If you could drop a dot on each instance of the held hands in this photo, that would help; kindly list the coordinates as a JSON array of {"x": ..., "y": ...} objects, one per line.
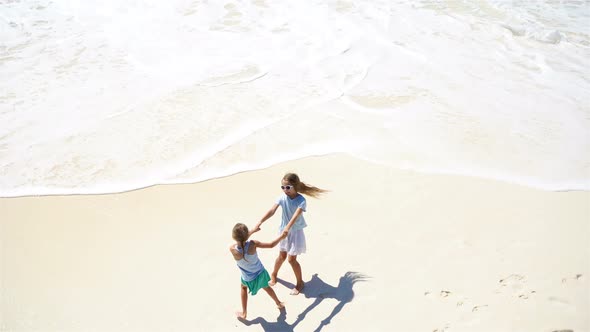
[
  {"x": 280, "y": 238},
  {"x": 253, "y": 230},
  {"x": 285, "y": 233}
]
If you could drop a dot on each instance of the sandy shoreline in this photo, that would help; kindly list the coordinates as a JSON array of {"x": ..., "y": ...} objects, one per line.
[{"x": 388, "y": 250}]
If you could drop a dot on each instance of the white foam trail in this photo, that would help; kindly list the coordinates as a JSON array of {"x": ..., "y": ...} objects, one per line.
[{"x": 113, "y": 96}]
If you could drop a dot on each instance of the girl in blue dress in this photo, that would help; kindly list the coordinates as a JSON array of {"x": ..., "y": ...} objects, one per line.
[{"x": 293, "y": 204}]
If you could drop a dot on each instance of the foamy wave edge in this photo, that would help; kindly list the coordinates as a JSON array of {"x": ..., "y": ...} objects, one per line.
[{"x": 117, "y": 189}]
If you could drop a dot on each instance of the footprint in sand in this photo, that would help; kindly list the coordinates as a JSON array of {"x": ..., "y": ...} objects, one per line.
[
  {"x": 441, "y": 294},
  {"x": 515, "y": 284},
  {"x": 461, "y": 301},
  {"x": 442, "y": 329},
  {"x": 444, "y": 293},
  {"x": 577, "y": 277},
  {"x": 478, "y": 307},
  {"x": 514, "y": 281}
]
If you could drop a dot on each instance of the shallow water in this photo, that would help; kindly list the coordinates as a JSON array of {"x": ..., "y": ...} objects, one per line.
[{"x": 101, "y": 97}]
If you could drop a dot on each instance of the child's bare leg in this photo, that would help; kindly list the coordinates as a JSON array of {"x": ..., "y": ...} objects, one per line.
[
  {"x": 278, "y": 262},
  {"x": 273, "y": 295},
  {"x": 244, "y": 296},
  {"x": 298, "y": 274}
]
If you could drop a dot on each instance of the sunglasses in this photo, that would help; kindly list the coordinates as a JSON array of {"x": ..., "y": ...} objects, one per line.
[{"x": 288, "y": 187}]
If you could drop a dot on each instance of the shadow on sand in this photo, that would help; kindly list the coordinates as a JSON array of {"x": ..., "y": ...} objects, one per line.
[{"x": 317, "y": 289}]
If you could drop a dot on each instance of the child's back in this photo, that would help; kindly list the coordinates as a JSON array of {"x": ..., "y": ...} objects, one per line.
[
  {"x": 247, "y": 260},
  {"x": 254, "y": 275}
]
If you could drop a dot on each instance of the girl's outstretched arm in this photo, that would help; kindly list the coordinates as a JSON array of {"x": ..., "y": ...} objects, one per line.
[
  {"x": 296, "y": 215},
  {"x": 271, "y": 244},
  {"x": 267, "y": 215},
  {"x": 252, "y": 231}
]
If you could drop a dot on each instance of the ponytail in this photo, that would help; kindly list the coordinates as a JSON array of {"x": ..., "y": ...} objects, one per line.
[
  {"x": 303, "y": 187},
  {"x": 240, "y": 234}
]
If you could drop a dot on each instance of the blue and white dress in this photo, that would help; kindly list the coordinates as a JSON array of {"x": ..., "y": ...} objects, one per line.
[{"x": 294, "y": 244}]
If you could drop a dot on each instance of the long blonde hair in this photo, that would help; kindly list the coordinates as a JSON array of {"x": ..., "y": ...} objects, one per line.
[{"x": 302, "y": 187}]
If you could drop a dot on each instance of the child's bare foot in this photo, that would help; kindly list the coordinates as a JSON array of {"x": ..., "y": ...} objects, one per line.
[
  {"x": 297, "y": 289},
  {"x": 280, "y": 305},
  {"x": 241, "y": 315}
]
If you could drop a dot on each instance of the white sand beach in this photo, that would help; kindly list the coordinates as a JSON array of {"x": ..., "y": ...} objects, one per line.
[
  {"x": 453, "y": 138},
  {"x": 388, "y": 250}
]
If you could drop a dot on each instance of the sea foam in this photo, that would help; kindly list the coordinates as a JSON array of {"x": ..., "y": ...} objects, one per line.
[{"x": 109, "y": 96}]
